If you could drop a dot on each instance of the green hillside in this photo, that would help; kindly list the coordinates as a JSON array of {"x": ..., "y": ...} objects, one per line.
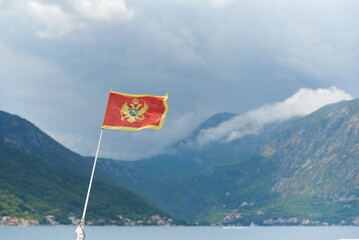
[{"x": 39, "y": 177}]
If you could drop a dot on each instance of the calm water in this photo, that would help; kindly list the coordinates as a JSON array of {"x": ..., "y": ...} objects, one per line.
[{"x": 180, "y": 233}]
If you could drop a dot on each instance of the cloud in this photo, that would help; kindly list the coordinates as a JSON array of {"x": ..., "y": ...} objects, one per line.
[
  {"x": 103, "y": 9},
  {"x": 207, "y": 54},
  {"x": 219, "y": 3},
  {"x": 303, "y": 102},
  {"x": 56, "y": 102},
  {"x": 55, "y": 20},
  {"x": 148, "y": 142},
  {"x": 39, "y": 90}
]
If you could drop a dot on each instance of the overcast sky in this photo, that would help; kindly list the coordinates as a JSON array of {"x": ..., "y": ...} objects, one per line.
[{"x": 59, "y": 60}]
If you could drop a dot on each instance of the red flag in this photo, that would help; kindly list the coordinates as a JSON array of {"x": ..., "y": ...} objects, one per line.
[{"x": 135, "y": 112}]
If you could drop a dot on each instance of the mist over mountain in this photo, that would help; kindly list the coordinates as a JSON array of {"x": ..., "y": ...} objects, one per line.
[{"x": 304, "y": 168}]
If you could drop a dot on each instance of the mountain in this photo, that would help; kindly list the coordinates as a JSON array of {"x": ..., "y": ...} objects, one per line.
[
  {"x": 301, "y": 171},
  {"x": 318, "y": 161},
  {"x": 304, "y": 170},
  {"x": 170, "y": 181},
  {"x": 319, "y": 153},
  {"x": 40, "y": 177}
]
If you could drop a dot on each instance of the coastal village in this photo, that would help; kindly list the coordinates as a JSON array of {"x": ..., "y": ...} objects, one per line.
[
  {"x": 13, "y": 221},
  {"x": 231, "y": 219},
  {"x": 157, "y": 220},
  {"x": 154, "y": 220}
]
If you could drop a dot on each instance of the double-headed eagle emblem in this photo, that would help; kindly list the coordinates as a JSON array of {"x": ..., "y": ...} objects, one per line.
[{"x": 134, "y": 112}]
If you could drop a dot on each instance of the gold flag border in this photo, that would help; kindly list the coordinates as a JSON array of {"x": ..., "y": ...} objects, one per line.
[{"x": 147, "y": 126}]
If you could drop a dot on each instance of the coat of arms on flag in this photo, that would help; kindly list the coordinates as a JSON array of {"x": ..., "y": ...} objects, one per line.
[{"x": 135, "y": 112}]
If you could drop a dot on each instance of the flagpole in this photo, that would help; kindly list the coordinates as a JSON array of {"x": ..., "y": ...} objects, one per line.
[{"x": 79, "y": 229}]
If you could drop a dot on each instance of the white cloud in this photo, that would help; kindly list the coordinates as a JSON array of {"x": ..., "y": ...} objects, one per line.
[
  {"x": 303, "y": 102},
  {"x": 55, "y": 20},
  {"x": 219, "y": 3},
  {"x": 103, "y": 9},
  {"x": 306, "y": 50}
]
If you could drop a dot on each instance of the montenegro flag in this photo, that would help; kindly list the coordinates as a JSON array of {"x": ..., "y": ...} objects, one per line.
[{"x": 135, "y": 112}]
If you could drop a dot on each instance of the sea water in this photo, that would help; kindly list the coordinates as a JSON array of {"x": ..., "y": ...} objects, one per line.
[{"x": 180, "y": 233}]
